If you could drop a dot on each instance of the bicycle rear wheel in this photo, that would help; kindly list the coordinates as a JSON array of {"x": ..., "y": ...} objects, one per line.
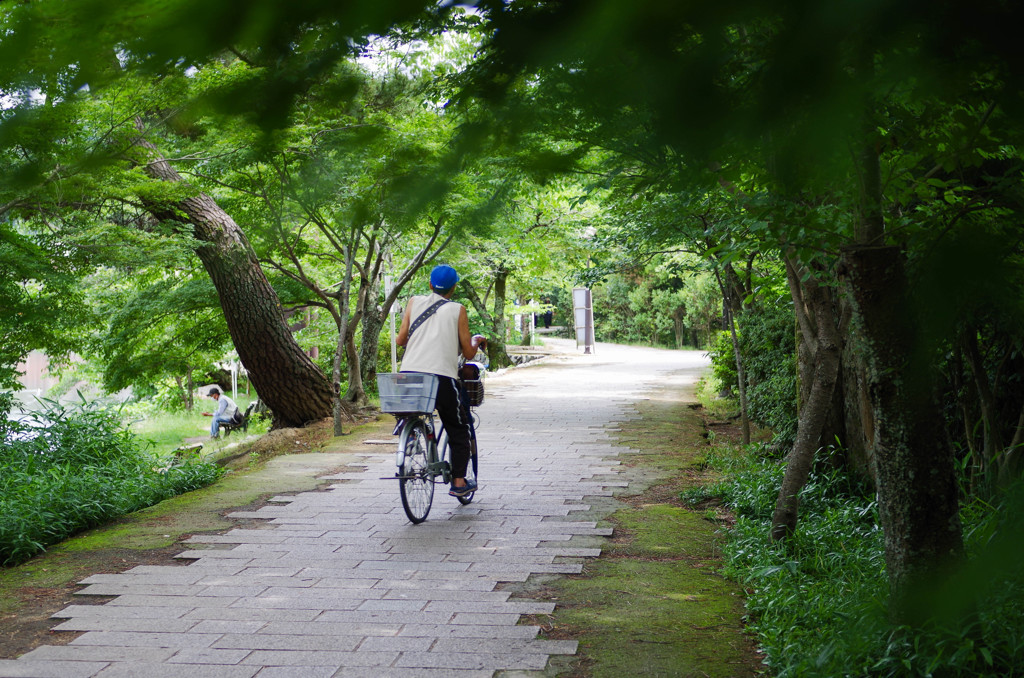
[
  {"x": 445, "y": 450},
  {"x": 416, "y": 483}
]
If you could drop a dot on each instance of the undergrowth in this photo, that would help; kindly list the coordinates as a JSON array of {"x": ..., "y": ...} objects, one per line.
[
  {"x": 818, "y": 605},
  {"x": 76, "y": 467}
]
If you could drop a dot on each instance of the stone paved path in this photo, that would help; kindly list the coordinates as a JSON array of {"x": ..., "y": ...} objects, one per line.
[{"x": 338, "y": 583}]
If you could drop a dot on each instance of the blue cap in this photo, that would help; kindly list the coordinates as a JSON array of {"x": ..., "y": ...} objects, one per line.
[{"x": 443, "y": 277}]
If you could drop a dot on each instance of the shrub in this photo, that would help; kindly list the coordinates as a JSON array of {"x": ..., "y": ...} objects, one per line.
[
  {"x": 818, "y": 604},
  {"x": 768, "y": 345},
  {"x": 723, "y": 361},
  {"x": 74, "y": 469}
]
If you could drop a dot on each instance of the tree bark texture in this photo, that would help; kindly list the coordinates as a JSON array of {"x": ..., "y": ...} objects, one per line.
[
  {"x": 858, "y": 436},
  {"x": 285, "y": 378},
  {"x": 917, "y": 490},
  {"x": 524, "y": 325},
  {"x": 849, "y": 424},
  {"x": 341, "y": 319},
  {"x": 825, "y": 348},
  {"x": 498, "y": 316},
  {"x": 372, "y": 323},
  {"x": 355, "y": 393}
]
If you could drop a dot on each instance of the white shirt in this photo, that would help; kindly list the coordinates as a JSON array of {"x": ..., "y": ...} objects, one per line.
[
  {"x": 225, "y": 406},
  {"x": 434, "y": 347}
]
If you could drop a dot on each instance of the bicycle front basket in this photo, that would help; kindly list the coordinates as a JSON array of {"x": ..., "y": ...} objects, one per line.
[{"x": 407, "y": 392}]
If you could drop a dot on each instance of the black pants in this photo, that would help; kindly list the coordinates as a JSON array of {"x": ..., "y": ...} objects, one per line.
[{"x": 455, "y": 417}]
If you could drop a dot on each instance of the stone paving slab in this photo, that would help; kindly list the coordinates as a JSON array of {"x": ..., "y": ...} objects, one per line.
[
  {"x": 22, "y": 668},
  {"x": 338, "y": 583}
]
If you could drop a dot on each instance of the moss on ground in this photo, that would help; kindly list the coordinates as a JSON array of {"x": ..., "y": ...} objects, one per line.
[{"x": 654, "y": 604}]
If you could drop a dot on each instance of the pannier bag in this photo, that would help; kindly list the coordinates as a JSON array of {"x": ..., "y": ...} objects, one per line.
[{"x": 469, "y": 376}]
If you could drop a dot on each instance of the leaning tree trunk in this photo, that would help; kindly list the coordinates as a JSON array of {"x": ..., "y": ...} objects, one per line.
[
  {"x": 815, "y": 409},
  {"x": 917, "y": 489},
  {"x": 286, "y": 379}
]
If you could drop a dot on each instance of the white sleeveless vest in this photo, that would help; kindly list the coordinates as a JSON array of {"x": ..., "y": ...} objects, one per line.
[{"x": 434, "y": 346}]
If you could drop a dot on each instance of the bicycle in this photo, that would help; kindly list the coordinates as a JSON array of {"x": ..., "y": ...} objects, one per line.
[{"x": 422, "y": 454}]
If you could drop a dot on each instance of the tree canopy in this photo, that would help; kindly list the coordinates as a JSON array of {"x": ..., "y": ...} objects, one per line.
[{"x": 855, "y": 165}]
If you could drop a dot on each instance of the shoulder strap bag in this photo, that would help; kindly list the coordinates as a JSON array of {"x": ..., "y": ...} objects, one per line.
[{"x": 424, "y": 316}]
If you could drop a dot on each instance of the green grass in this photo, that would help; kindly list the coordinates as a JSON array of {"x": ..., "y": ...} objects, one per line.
[
  {"x": 166, "y": 431},
  {"x": 707, "y": 392}
]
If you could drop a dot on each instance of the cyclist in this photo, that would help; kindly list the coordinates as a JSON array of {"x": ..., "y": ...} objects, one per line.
[{"x": 434, "y": 331}]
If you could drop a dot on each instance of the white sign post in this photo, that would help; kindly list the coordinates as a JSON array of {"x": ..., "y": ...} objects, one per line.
[{"x": 583, "y": 312}]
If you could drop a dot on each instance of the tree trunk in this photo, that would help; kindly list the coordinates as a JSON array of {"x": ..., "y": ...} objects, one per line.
[
  {"x": 992, "y": 436},
  {"x": 524, "y": 326},
  {"x": 498, "y": 315},
  {"x": 917, "y": 490},
  {"x": 374, "y": 316},
  {"x": 183, "y": 393},
  {"x": 372, "y": 323},
  {"x": 814, "y": 411},
  {"x": 356, "y": 393},
  {"x": 336, "y": 408},
  {"x": 679, "y": 327},
  {"x": 497, "y": 355},
  {"x": 731, "y": 287},
  {"x": 741, "y": 377},
  {"x": 341, "y": 319},
  {"x": 1011, "y": 462},
  {"x": 284, "y": 377},
  {"x": 370, "y": 274},
  {"x": 859, "y": 420}
]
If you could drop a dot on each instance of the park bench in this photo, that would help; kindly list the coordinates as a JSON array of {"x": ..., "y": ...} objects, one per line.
[
  {"x": 181, "y": 455},
  {"x": 243, "y": 425}
]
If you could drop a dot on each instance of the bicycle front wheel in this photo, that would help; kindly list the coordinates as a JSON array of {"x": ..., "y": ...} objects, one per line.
[{"x": 416, "y": 483}]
